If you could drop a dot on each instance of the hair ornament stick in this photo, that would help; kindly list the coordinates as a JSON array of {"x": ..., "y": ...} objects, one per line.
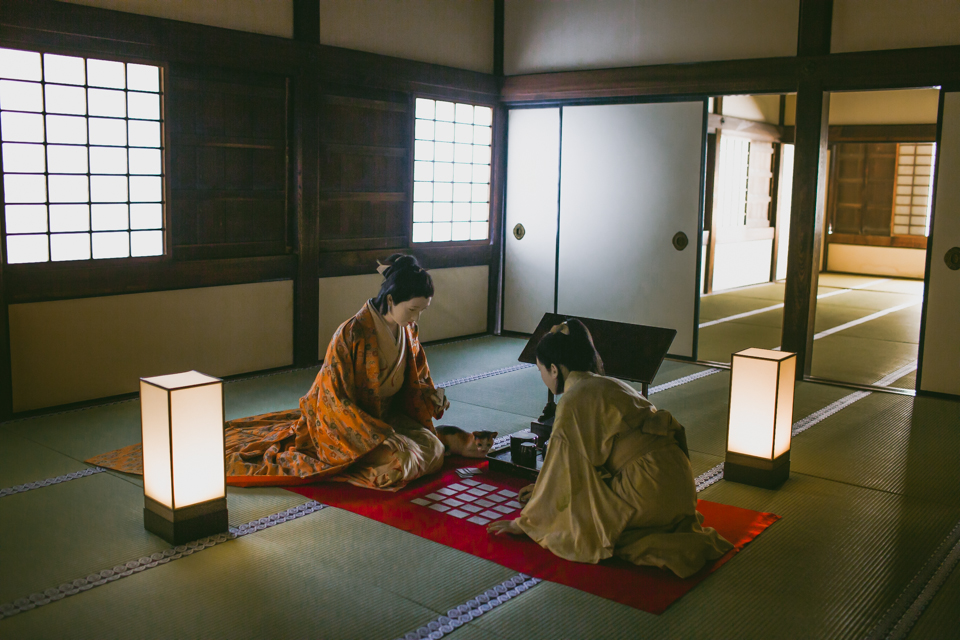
[
  {"x": 563, "y": 328},
  {"x": 382, "y": 267}
]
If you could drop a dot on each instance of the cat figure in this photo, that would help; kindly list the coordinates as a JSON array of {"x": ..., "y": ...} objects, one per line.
[{"x": 458, "y": 442}]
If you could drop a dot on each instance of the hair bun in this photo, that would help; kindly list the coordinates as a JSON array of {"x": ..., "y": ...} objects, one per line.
[{"x": 400, "y": 262}]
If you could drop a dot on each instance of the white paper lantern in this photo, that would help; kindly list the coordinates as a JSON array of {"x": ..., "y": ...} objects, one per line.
[
  {"x": 184, "y": 474},
  {"x": 761, "y": 417}
]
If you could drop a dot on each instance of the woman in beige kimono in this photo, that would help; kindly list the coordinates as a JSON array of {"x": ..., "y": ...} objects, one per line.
[{"x": 616, "y": 479}]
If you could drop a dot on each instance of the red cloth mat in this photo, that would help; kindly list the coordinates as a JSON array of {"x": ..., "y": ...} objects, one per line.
[{"x": 647, "y": 588}]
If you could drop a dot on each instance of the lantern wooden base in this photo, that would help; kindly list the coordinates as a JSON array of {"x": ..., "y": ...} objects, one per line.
[
  {"x": 187, "y": 524},
  {"x": 758, "y": 472}
]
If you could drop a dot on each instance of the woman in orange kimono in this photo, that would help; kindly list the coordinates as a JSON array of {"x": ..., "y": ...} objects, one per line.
[{"x": 367, "y": 419}]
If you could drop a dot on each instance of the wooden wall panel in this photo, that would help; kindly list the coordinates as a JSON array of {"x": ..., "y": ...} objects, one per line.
[
  {"x": 229, "y": 151},
  {"x": 365, "y": 169},
  {"x": 861, "y": 193}
]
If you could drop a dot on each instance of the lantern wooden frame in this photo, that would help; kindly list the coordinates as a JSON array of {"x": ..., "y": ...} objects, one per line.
[
  {"x": 205, "y": 511},
  {"x": 760, "y": 468}
]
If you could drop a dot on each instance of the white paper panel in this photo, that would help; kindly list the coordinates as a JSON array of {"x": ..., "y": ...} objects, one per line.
[
  {"x": 631, "y": 179},
  {"x": 941, "y": 341},
  {"x": 533, "y": 167},
  {"x": 155, "y": 425},
  {"x": 198, "y": 463}
]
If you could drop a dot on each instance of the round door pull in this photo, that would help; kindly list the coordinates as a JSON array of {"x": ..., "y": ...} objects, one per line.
[
  {"x": 519, "y": 232},
  {"x": 680, "y": 241},
  {"x": 953, "y": 259}
]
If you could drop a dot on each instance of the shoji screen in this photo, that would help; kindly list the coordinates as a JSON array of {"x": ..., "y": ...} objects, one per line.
[
  {"x": 533, "y": 168},
  {"x": 631, "y": 180},
  {"x": 940, "y": 366}
]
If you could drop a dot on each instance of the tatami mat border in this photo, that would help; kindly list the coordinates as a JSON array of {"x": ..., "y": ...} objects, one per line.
[
  {"x": 473, "y": 608},
  {"x": 481, "y": 376},
  {"x": 682, "y": 381},
  {"x": 29, "y": 486},
  {"x": 139, "y": 565},
  {"x": 918, "y": 594}
]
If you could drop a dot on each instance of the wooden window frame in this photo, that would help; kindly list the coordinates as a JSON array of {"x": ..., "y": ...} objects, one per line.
[
  {"x": 492, "y": 184},
  {"x": 903, "y": 238},
  {"x": 53, "y": 267}
]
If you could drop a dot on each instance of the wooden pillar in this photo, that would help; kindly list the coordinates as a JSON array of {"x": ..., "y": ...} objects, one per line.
[
  {"x": 306, "y": 166},
  {"x": 6, "y": 375},
  {"x": 806, "y": 222},
  {"x": 710, "y": 185},
  {"x": 497, "y": 183},
  {"x": 306, "y": 21},
  {"x": 809, "y": 178}
]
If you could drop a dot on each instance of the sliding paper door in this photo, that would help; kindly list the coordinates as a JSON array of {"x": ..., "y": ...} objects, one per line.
[
  {"x": 530, "y": 254},
  {"x": 631, "y": 182},
  {"x": 940, "y": 364}
]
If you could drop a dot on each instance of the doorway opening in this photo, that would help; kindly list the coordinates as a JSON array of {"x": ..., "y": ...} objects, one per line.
[
  {"x": 881, "y": 163},
  {"x": 746, "y": 224}
]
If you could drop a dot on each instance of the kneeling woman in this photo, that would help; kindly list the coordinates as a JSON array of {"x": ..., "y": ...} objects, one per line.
[
  {"x": 616, "y": 479},
  {"x": 368, "y": 418}
]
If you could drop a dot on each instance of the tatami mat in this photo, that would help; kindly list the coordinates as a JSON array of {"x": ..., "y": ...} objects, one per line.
[
  {"x": 24, "y": 461},
  {"x": 285, "y": 582},
  {"x": 870, "y": 497},
  {"x": 451, "y": 360},
  {"x": 939, "y": 620},
  {"x": 858, "y": 360},
  {"x": 66, "y": 531}
]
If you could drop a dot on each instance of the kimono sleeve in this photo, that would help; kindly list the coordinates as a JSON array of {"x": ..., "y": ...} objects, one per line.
[
  {"x": 572, "y": 512},
  {"x": 341, "y": 429},
  {"x": 418, "y": 385}
]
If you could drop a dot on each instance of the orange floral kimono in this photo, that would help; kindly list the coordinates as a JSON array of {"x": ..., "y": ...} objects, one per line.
[{"x": 345, "y": 427}]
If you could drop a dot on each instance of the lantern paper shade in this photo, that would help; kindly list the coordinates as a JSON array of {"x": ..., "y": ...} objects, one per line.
[
  {"x": 761, "y": 417},
  {"x": 184, "y": 477}
]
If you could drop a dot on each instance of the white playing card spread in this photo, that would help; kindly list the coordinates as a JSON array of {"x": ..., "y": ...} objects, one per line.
[{"x": 468, "y": 499}]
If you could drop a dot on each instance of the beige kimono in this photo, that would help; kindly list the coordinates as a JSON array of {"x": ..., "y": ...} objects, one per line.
[
  {"x": 412, "y": 450},
  {"x": 617, "y": 481}
]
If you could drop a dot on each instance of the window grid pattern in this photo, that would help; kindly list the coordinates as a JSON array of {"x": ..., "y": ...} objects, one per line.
[
  {"x": 730, "y": 200},
  {"x": 82, "y": 157},
  {"x": 913, "y": 189},
  {"x": 451, "y": 171}
]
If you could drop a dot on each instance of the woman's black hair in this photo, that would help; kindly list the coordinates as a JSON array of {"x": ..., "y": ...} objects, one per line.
[
  {"x": 574, "y": 350},
  {"x": 404, "y": 279}
]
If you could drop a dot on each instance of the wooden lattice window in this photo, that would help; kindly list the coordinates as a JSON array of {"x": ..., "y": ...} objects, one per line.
[
  {"x": 451, "y": 171},
  {"x": 914, "y": 186},
  {"x": 82, "y": 157}
]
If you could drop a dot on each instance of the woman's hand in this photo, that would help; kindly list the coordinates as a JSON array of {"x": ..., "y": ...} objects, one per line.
[
  {"x": 525, "y": 493},
  {"x": 500, "y": 527}
]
